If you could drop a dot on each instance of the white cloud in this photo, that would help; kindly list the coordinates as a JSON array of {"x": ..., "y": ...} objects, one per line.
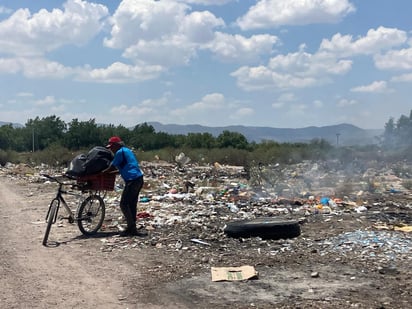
[
  {"x": 144, "y": 20},
  {"x": 242, "y": 113},
  {"x": 402, "y": 78},
  {"x": 48, "y": 100},
  {"x": 197, "y": 27},
  {"x": 318, "y": 104},
  {"x": 45, "y": 30},
  {"x": 214, "y": 104},
  {"x": 207, "y": 2},
  {"x": 375, "y": 87},
  {"x": 302, "y": 69},
  {"x": 305, "y": 64},
  {"x": 164, "y": 33},
  {"x": 154, "y": 36},
  {"x": 278, "y": 105},
  {"x": 213, "y": 101},
  {"x": 177, "y": 47},
  {"x": 120, "y": 73},
  {"x": 160, "y": 109},
  {"x": 283, "y": 99},
  {"x": 287, "y": 97},
  {"x": 375, "y": 41},
  {"x": 130, "y": 111},
  {"x": 160, "y": 102},
  {"x": 346, "y": 102},
  {"x": 275, "y": 13},
  {"x": 395, "y": 60},
  {"x": 117, "y": 72},
  {"x": 294, "y": 70},
  {"x": 34, "y": 67},
  {"x": 24, "y": 94},
  {"x": 299, "y": 108},
  {"x": 10, "y": 66},
  {"x": 166, "y": 53},
  {"x": 238, "y": 48}
]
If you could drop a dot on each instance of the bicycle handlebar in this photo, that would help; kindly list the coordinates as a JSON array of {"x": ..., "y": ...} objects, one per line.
[
  {"x": 61, "y": 183},
  {"x": 50, "y": 177},
  {"x": 54, "y": 178}
]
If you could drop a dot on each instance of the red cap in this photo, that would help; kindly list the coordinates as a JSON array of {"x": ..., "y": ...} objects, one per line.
[{"x": 113, "y": 140}]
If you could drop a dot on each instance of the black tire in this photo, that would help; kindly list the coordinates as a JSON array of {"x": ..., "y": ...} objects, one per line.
[
  {"x": 90, "y": 215},
  {"x": 50, "y": 218},
  {"x": 265, "y": 228}
]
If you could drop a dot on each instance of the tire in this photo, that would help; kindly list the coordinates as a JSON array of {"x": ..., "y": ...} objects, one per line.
[
  {"x": 265, "y": 228},
  {"x": 90, "y": 215},
  {"x": 51, "y": 218}
]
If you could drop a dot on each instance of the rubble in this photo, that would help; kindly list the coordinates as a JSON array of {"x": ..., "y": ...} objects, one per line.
[
  {"x": 359, "y": 216},
  {"x": 354, "y": 249},
  {"x": 219, "y": 194}
]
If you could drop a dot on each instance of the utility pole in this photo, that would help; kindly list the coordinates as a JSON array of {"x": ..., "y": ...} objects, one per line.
[
  {"x": 337, "y": 139},
  {"x": 32, "y": 139}
]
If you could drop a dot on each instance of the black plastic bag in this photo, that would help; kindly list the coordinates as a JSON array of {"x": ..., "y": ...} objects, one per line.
[
  {"x": 96, "y": 160},
  {"x": 76, "y": 166}
]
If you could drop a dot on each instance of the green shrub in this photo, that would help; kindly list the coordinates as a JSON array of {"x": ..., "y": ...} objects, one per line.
[
  {"x": 53, "y": 156},
  {"x": 8, "y": 156}
]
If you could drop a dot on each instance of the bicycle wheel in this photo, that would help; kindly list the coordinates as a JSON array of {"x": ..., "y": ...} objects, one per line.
[
  {"x": 51, "y": 218},
  {"x": 90, "y": 214}
]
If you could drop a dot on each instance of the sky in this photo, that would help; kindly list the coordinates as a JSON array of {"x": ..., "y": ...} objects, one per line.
[{"x": 266, "y": 63}]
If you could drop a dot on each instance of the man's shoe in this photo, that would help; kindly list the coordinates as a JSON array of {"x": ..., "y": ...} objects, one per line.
[
  {"x": 124, "y": 233},
  {"x": 141, "y": 233},
  {"x": 127, "y": 233}
]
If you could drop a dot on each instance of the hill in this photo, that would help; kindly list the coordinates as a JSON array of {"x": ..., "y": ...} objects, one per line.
[
  {"x": 342, "y": 134},
  {"x": 15, "y": 125}
]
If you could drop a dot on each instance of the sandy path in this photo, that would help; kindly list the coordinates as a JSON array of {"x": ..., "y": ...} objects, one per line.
[{"x": 66, "y": 276}]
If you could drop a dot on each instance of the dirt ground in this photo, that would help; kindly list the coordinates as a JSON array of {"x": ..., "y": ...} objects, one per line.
[{"x": 338, "y": 261}]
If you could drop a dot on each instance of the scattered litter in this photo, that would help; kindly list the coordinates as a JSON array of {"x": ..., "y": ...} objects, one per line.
[
  {"x": 233, "y": 273},
  {"x": 198, "y": 241},
  {"x": 181, "y": 200},
  {"x": 386, "y": 245}
]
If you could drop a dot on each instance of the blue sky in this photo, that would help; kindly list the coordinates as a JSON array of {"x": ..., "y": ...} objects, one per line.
[{"x": 276, "y": 63}]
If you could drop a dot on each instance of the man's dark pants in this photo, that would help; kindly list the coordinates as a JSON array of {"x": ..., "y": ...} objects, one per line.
[{"x": 128, "y": 201}]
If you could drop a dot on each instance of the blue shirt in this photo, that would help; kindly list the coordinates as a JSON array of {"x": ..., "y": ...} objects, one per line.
[{"x": 127, "y": 164}]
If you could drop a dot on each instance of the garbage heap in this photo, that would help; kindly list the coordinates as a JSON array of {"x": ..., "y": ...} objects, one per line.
[{"x": 188, "y": 201}]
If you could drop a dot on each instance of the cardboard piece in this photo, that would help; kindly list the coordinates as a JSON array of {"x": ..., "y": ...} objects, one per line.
[{"x": 233, "y": 273}]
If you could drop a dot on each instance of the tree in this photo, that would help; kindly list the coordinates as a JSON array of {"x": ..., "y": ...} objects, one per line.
[
  {"x": 404, "y": 129},
  {"x": 142, "y": 137},
  {"x": 143, "y": 128},
  {"x": 82, "y": 134},
  {"x": 46, "y": 131},
  {"x": 389, "y": 135},
  {"x": 232, "y": 139},
  {"x": 6, "y": 137},
  {"x": 200, "y": 140},
  {"x": 398, "y": 134}
]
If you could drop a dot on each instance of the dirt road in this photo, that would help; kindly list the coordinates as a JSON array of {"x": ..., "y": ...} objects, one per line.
[
  {"x": 79, "y": 272},
  {"x": 71, "y": 275}
]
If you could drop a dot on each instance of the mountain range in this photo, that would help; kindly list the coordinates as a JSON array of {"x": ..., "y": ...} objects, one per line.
[
  {"x": 14, "y": 125},
  {"x": 341, "y": 134}
]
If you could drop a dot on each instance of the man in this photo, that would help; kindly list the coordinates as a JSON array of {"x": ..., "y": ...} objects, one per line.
[{"x": 125, "y": 161}]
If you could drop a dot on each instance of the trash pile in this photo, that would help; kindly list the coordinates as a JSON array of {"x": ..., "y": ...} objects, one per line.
[
  {"x": 351, "y": 228},
  {"x": 371, "y": 245},
  {"x": 184, "y": 205}
]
